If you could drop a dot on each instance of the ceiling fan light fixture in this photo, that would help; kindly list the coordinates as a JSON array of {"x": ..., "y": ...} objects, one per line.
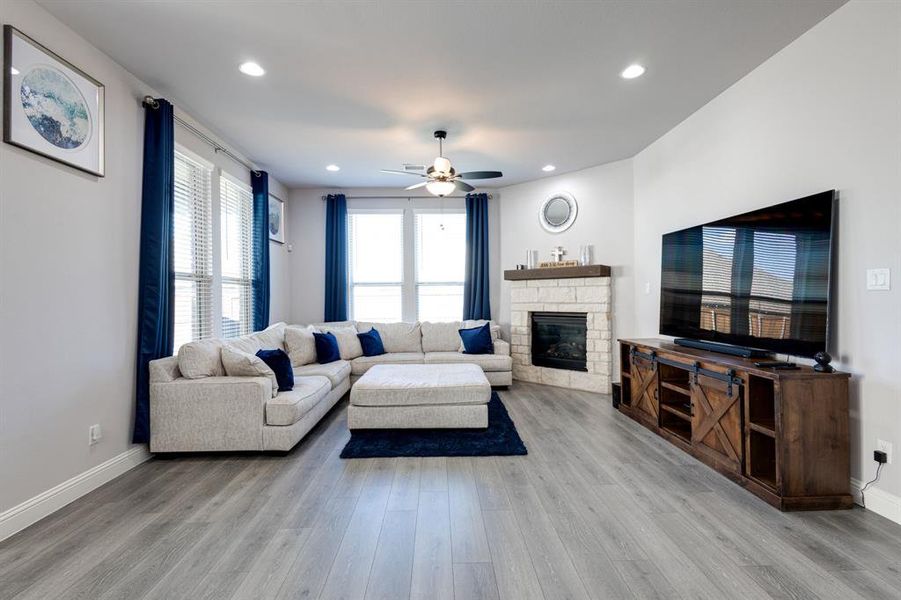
[
  {"x": 632, "y": 71},
  {"x": 442, "y": 165},
  {"x": 251, "y": 68},
  {"x": 440, "y": 188}
]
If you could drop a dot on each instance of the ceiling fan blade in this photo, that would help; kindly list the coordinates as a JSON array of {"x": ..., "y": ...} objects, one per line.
[
  {"x": 480, "y": 175},
  {"x": 417, "y": 185},
  {"x": 394, "y": 172},
  {"x": 463, "y": 186}
]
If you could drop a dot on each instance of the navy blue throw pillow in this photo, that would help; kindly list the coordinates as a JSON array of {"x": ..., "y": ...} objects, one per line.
[
  {"x": 326, "y": 348},
  {"x": 278, "y": 361},
  {"x": 477, "y": 340},
  {"x": 371, "y": 342}
]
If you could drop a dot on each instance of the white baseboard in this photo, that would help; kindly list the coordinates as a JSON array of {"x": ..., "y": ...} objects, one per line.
[
  {"x": 33, "y": 510},
  {"x": 879, "y": 501}
]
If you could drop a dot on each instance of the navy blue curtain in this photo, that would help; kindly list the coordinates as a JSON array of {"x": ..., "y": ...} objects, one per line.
[
  {"x": 476, "y": 304},
  {"x": 156, "y": 279},
  {"x": 336, "y": 258},
  {"x": 259, "y": 183}
]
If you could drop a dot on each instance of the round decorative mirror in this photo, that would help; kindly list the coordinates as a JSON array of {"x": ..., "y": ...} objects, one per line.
[{"x": 558, "y": 212}]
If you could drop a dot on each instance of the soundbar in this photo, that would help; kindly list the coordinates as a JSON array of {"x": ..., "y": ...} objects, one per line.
[{"x": 722, "y": 348}]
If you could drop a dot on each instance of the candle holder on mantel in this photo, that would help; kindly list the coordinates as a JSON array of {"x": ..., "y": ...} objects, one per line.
[{"x": 531, "y": 259}]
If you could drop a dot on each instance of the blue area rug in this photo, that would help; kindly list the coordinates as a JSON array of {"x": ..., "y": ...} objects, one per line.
[{"x": 500, "y": 438}]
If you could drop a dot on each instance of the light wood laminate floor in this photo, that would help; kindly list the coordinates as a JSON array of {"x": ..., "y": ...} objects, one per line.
[{"x": 600, "y": 508}]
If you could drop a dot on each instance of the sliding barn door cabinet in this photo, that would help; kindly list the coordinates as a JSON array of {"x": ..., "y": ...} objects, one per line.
[{"x": 781, "y": 434}]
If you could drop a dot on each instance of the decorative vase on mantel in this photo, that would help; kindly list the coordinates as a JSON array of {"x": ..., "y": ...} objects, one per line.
[{"x": 585, "y": 255}]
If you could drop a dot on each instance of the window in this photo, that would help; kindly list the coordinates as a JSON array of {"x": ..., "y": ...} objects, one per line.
[
  {"x": 406, "y": 265},
  {"x": 193, "y": 252},
  {"x": 440, "y": 265},
  {"x": 236, "y": 222},
  {"x": 376, "y": 265}
]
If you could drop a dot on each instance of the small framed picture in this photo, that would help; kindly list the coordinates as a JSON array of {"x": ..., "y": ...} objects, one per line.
[
  {"x": 51, "y": 107},
  {"x": 276, "y": 219}
]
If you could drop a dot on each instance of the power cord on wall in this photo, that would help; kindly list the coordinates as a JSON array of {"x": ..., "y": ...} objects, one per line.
[{"x": 881, "y": 458}]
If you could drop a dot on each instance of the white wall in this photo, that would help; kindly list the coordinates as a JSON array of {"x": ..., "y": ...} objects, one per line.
[
  {"x": 823, "y": 113},
  {"x": 604, "y": 196},
  {"x": 306, "y": 232},
  {"x": 68, "y": 286}
]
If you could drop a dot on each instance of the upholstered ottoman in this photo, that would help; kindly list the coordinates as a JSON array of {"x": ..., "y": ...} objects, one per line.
[{"x": 420, "y": 397}]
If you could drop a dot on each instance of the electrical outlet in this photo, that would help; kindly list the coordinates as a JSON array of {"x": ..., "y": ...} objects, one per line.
[
  {"x": 94, "y": 434},
  {"x": 886, "y": 447},
  {"x": 647, "y": 288}
]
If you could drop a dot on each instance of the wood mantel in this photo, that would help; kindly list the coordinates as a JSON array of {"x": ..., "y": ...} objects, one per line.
[{"x": 557, "y": 273}]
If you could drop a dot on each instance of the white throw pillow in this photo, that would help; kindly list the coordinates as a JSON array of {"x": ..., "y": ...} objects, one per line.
[
  {"x": 441, "y": 337},
  {"x": 349, "y": 346},
  {"x": 301, "y": 344},
  {"x": 269, "y": 339},
  {"x": 202, "y": 358},
  {"x": 397, "y": 337},
  {"x": 495, "y": 331},
  {"x": 244, "y": 364}
]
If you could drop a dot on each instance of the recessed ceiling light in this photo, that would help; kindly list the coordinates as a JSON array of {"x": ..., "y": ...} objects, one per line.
[
  {"x": 548, "y": 168},
  {"x": 632, "y": 71},
  {"x": 333, "y": 168},
  {"x": 13, "y": 71},
  {"x": 253, "y": 69}
]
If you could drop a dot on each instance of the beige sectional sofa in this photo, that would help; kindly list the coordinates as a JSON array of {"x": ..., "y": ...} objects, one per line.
[{"x": 200, "y": 403}]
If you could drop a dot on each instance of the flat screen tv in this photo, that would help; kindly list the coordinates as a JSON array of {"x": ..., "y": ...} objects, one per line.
[{"x": 758, "y": 280}]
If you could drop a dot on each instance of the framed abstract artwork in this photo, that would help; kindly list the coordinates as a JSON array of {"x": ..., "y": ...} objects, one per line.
[
  {"x": 276, "y": 219},
  {"x": 51, "y": 107}
]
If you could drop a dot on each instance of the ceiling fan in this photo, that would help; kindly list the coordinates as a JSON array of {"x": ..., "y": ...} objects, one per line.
[{"x": 440, "y": 178}]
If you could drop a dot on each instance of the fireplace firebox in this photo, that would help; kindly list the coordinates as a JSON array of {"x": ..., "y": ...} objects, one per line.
[{"x": 559, "y": 341}]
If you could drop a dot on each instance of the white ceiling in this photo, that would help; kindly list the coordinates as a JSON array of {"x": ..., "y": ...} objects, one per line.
[{"x": 363, "y": 84}]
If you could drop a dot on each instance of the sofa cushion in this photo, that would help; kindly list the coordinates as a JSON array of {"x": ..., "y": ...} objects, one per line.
[
  {"x": 244, "y": 364},
  {"x": 278, "y": 361},
  {"x": 333, "y": 325},
  {"x": 441, "y": 337},
  {"x": 271, "y": 337},
  {"x": 348, "y": 343},
  {"x": 300, "y": 344},
  {"x": 477, "y": 340},
  {"x": 421, "y": 385},
  {"x": 336, "y": 371},
  {"x": 371, "y": 343},
  {"x": 488, "y": 362},
  {"x": 288, "y": 408},
  {"x": 470, "y": 324},
  {"x": 326, "y": 348},
  {"x": 397, "y": 337},
  {"x": 360, "y": 365},
  {"x": 202, "y": 358}
]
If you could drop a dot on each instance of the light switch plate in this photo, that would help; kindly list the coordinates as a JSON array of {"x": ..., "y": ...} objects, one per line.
[{"x": 879, "y": 279}]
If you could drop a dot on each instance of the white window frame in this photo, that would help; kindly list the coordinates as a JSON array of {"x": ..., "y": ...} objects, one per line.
[
  {"x": 207, "y": 321},
  {"x": 350, "y": 275},
  {"x": 409, "y": 284},
  {"x": 415, "y": 254},
  {"x": 247, "y": 316}
]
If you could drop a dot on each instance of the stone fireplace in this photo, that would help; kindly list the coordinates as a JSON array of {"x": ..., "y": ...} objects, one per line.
[
  {"x": 559, "y": 340},
  {"x": 561, "y": 328}
]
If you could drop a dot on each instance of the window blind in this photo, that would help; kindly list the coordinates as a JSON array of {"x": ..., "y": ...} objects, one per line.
[
  {"x": 236, "y": 218},
  {"x": 376, "y": 265},
  {"x": 193, "y": 252},
  {"x": 440, "y": 265}
]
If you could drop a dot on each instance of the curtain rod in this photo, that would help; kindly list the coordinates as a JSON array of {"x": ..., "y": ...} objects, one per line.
[
  {"x": 400, "y": 197},
  {"x": 217, "y": 147}
]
